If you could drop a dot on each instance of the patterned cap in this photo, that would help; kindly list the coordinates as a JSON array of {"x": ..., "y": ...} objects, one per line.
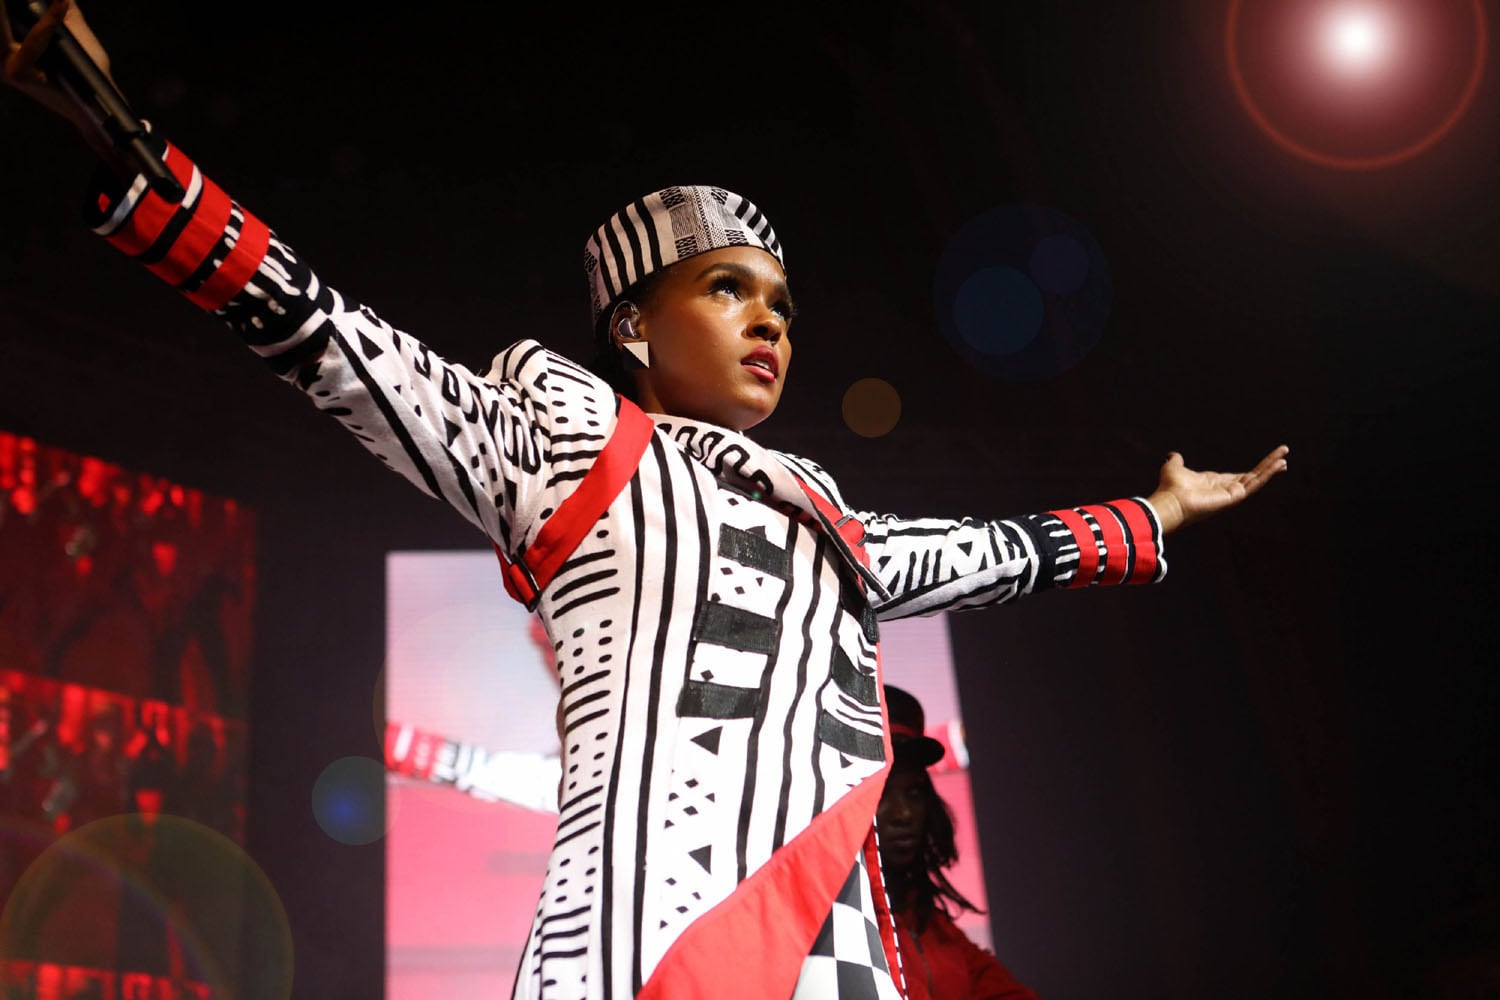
[{"x": 666, "y": 226}]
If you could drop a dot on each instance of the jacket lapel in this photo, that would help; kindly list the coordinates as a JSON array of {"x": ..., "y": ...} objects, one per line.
[{"x": 746, "y": 466}]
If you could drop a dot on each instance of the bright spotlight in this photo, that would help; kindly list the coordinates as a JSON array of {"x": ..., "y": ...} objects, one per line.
[
  {"x": 1356, "y": 84},
  {"x": 1357, "y": 40}
]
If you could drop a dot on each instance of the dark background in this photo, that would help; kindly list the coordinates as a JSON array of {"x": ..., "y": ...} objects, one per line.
[{"x": 1273, "y": 775}]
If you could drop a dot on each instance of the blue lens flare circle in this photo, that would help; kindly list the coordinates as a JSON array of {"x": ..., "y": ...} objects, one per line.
[
  {"x": 348, "y": 800},
  {"x": 1022, "y": 292}
]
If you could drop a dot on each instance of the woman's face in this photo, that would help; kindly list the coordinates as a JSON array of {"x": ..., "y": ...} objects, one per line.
[
  {"x": 716, "y": 325},
  {"x": 901, "y": 818}
]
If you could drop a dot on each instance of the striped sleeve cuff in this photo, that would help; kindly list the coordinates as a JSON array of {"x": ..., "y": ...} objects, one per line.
[
  {"x": 1111, "y": 543},
  {"x": 207, "y": 246}
]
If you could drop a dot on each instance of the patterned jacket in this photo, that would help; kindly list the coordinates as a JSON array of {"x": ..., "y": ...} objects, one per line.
[{"x": 715, "y": 635}]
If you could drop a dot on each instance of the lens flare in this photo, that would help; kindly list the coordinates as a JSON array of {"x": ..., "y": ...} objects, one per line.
[
  {"x": 350, "y": 801},
  {"x": 872, "y": 407},
  {"x": 1022, "y": 292},
  {"x": 1356, "y": 40},
  {"x": 129, "y": 891},
  {"x": 1356, "y": 85}
]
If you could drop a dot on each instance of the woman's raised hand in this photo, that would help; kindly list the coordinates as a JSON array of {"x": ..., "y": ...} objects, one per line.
[
  {"x": 1185, "y": 495},
  {"x": 22, "y": 72}
]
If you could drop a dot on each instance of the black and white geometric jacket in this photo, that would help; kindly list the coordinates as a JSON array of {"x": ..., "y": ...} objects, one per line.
[{"x": 715, "y": 633}]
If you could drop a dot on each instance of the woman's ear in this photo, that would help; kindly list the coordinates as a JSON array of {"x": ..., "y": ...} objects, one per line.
[
  {"x": 627, "y": 338},
  {"x": 623, "y": 320}
]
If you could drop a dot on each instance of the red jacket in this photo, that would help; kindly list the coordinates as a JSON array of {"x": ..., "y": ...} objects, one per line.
[{"x": 942, "y": 963}]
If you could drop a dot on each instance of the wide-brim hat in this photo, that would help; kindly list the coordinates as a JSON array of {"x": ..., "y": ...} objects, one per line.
[{"x": 909, "y": 736}]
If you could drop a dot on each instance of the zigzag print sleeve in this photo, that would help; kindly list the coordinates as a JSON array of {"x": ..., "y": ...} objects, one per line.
[
  {"x": 936, "y": 564},
  {"x": 488, "y": 448}
]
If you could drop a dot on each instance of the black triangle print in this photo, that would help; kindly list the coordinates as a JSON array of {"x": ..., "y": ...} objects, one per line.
[
  {"x": 452, "y": 429},
  {"x": 844, "y": 761},
  {"x": 702, "y": 856},
  {"x": 966, "y": 547},
  {"x": 880, "y": 563},
  {"x": 369, "y": 348},
  {"x": 710, "y": 740},
  {"x": 309, "y": 373}
]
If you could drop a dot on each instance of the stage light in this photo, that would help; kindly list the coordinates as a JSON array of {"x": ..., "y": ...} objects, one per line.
[
  {"x": 1357, "y": 41},
  {"x": 1355, "y": 84}
]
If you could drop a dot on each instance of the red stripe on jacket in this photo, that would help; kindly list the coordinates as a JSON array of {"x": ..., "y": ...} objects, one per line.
[
  {"x": 152, "y": 212},
  {"x": 1088, "y": 548},
  {"x": 237, "y": 267},
  {"x": 1116, "y": 551},
  {"x": 1143, "y": 535},
  {"x": 198, "y": 237},
  {"x": 205, "y": 229}
]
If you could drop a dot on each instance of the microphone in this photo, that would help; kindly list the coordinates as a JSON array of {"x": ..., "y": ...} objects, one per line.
[{"x": 65, "y": 61}]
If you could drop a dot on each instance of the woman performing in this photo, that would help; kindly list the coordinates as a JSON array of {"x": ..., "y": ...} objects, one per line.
[{"x": 712, "y": 604}]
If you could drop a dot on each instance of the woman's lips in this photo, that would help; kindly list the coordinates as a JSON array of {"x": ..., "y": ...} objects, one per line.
[{"x": 763, "y": 363}]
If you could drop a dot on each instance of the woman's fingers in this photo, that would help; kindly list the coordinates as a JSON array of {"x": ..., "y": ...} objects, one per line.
[
  {"x": 1269, "y": 466},
  {"x": 20, "y": 60},
  {"x": 20, "y": 68},
  {"x": 85, "y": 37}
]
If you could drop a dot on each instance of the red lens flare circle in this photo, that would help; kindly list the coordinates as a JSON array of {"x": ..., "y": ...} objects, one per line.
[{"x": 1375, "y": 161}]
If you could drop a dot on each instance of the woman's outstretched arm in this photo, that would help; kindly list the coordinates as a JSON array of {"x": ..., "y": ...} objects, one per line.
[{"x": 480, "y": 443}]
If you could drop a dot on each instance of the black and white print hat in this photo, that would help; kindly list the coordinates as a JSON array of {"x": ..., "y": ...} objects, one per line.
[{"x": 664, "y": 227}]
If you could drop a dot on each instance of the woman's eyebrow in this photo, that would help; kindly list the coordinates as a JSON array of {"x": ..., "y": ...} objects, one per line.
[{"x": 748, "y": 274}]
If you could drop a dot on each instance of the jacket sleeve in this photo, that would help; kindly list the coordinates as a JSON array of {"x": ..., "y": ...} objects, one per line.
[
  {"x": 931, "y": 565},
  {"x": 494, "y": 447}
]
